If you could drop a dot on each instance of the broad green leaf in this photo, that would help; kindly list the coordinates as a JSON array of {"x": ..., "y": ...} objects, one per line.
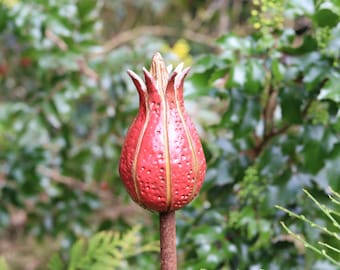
[
  {"x": 223, "y": 176},
  {"x": 291, "y": 109},
  {"x": 85, "y": 7},
  {"x": 298, "y": 8},
  {"x": 287, "y": 37},
  {"x": 326, "y": 18},
  {"x": 278, "y": 70},
  {"x": 255, "y": 76},
  {"x": 200, "y": 82},
  {"x": 231, "y": 42},
  {"x": 237, "y": 76},
  {"x": 204, "y": 63},
  {"x": 272, "y": 162},
  {"x": 313, "y": 155},
  {"x": 312, "y": 74},
  {"x": 331, "y": 90},
  {"x": 309, "y": 45}
]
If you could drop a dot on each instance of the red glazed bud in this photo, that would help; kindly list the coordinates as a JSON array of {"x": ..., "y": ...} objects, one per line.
[{"x": 162, "y": 163}]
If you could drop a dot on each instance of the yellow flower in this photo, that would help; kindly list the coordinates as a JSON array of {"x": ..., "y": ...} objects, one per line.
[
  {"x": 179, "y": 52},
  {"x": 9, "y": 3},
  {"x": 257, "y": 25},
  {"x": 181, "y": 48}
]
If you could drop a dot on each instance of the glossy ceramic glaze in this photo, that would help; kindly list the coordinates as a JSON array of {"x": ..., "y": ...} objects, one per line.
[{"x": 162, "y": 163}]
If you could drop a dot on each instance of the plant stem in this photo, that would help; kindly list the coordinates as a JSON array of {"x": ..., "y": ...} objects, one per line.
[{"x": 167, "y": 222}]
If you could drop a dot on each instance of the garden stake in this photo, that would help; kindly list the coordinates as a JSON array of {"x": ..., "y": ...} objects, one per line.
[
  {"x": 162, "y": 163},
  {"x": 167, "y": 222}
]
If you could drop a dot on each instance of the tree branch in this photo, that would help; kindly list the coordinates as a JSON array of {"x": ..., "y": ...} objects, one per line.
[
  {"x": 86, "y": 70},
  {"x": 74, "y": 183},
  {"x": 260, "y": 145},
  {"x": 132, "y": 34},
  {"x": 56, "y": 40}
]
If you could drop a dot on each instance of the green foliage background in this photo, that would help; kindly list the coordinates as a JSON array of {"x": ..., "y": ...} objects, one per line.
[{"x": 264, "y": 92}]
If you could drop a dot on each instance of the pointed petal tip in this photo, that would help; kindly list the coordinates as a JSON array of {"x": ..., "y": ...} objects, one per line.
[
  {"x": 131, "y": 73},
  {"x": 179, "y": 79},
  {"x": 157, "y": 57},
  {"x": 148, "y": 77},
  {"x": 179, "y": 68},
  {"x": 157, "y": 63},
  {"x": 139, "y": 83},
  {"x": 147, "y": 73},
  {"x": 186, "y": 70},
  {"x": 169, "y": 68}
]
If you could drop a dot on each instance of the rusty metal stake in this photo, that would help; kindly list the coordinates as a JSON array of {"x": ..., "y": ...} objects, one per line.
[{"x": 167, "y": 222}]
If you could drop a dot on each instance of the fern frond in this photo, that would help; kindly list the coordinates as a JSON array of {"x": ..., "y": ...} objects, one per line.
[
  {"x": 330, "y": 214},
  {"x": 55, "y": 263},
  {"x": 105, "y": 250},
  {"x": 3, "y": 264}
]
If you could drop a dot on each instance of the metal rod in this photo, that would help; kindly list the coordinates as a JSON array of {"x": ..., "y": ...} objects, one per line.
[{"x": 167, "y": 222}]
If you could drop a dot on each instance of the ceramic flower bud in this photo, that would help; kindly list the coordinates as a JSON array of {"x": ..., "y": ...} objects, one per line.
[{"x": 162, "y": 163}]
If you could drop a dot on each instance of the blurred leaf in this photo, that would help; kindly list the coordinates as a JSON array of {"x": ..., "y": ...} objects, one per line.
[
  {"x": 104, "y": 250},
  {"x": 309, "y": 45},
  {"x": 237, "y": 76},
  {"x": 272, "y": 162},
  {"x": 297, "y": 8},
  {"x": 76, "y": 254},
  {"x": 314, "y": 155},
  {"x": 278, "y": 70},
  {"x": 3, "y": 264},
  {"x": 223, "y": 176},
  {"x": 326, "y": 17},
  {"x": 231, "y": 43},
  {"x": 85, "y": 7},
  {"x": 55, "y": 263},
  {"x": 331, "y": 90},
  {"x": 200, "y": 82},
  {"x": 255, "y": 76},
  {"x": 291, "y": 109},
  {"x": 265, "y": 100}
]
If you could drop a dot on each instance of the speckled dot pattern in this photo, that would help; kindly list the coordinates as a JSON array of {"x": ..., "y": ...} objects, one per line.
[{"x": 162, "y": 164}]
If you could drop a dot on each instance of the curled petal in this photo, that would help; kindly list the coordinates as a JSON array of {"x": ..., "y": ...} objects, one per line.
[
  {"x": 179, "y": 80},
  {"x": 138, "y": 82},
  {"x": 169, "y": 68},
  {"x": 179, "y": 68},
  {"x": 150, "y": 82}
]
